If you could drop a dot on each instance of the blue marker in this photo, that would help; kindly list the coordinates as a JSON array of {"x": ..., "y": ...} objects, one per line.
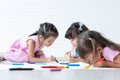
[
  {"x": 64, "y": 63},
  {"x": 41, "y": 63},
  {"x": 31, "y": 62},
  {"x": 17, "y": 63},
  {"x": 20, "y": 69},
  {"x": 38, "y": 63},
  {"x": 70, "y": 64}
]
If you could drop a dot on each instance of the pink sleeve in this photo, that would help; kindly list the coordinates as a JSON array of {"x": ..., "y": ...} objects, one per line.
[{"x": 109, "y": 54}]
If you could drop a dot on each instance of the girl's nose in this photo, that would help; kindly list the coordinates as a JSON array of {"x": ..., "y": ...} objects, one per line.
[
  {"x": 50, "y": 44},
  {"x": 72, "y": 42}
]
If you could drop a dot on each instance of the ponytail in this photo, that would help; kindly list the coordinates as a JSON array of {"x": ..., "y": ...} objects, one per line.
[
  {"x": 46, "y": 30},
  {"x": 35, "y": 33},
  {"x": 95, "y": 56}
]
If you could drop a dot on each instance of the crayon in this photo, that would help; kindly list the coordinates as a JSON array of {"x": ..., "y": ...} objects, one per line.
[
  {"x": 69, "y": 64},
  {"x": 56, "y": 60},
  {"x": 37, "y": 63},
  {"x": 88, "y": 66},
  {"x": 31, "y": 62},
  {"x": 63, "y": 62},
  {"x": 17, "y": 63},
  {"x": 41, "y": 63},
  {"x": 54, "y": 66},
  {"x": 100, "y": 60},
  {"x": 55, "y": 69},
  {"x": 20, "y": 69}
]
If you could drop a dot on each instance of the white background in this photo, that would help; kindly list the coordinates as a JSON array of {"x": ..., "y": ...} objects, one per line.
[{"x": 19, "y": 18}]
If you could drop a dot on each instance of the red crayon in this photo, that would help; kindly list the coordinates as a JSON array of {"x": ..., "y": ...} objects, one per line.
[
  {"x": 54, "y": 67},
  {"x": 49, "y": 67}
]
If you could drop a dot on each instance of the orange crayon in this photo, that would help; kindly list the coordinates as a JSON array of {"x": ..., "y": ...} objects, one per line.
[{"x": 100, "y": 60}]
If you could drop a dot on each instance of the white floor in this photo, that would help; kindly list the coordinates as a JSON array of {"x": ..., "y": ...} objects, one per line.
[{"x": 65, "y": 74}]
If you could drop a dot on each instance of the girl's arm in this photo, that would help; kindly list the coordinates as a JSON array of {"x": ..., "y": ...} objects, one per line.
[
  {"x": 111, "y": 64},
  {"x": 117, "y": 59},
  {"x": 73, "y": 60},
  {"x": 107, "y": 64},
  {"x": 114, "y": 64},
  {"x": 31, "y": 55}
]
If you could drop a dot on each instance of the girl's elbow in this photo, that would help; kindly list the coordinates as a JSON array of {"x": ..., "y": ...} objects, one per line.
[{"x": 31, "y": 59}]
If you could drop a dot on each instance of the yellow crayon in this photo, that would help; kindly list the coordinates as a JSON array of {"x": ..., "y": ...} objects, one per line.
[{"x": 88, "y": 66}]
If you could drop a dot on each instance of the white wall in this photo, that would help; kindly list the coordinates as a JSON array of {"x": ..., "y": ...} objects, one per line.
[{"x": 19, "y": 18}]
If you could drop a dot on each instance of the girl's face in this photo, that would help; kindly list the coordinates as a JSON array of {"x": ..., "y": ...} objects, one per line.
[
  {"x": 89, "y": 56},
  {"x": 49, "y": 41},
  {"x": 74, "y": 42}
]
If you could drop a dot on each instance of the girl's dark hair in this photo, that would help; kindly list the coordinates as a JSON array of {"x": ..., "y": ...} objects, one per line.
[
  {"x": 88, "y": 41},
  {"x": 75, "y": 29},
  {"x": 46, "y": 30}
]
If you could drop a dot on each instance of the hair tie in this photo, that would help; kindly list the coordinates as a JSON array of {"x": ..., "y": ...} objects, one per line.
[
  {"x": 89, "y": 38},
  {"x": 80, "y": 24},
  {"x": 44, "y": 29}
]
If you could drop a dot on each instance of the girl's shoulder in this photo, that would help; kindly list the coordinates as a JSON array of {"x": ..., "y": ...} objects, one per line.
[
  {"x": 107, "y": 49},
  {"x": 35, "y": 38}
]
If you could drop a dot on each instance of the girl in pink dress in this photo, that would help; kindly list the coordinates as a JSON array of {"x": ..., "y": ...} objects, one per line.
[
  {"x": 98, "y": 50},
  {"x": 29, "y": 49}
]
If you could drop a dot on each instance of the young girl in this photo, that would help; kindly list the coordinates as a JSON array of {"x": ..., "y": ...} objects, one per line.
[
  {"x": 92, "y": 46},
  {"x": 29, "y": 49},
  {"x": 72, "y": 33}
]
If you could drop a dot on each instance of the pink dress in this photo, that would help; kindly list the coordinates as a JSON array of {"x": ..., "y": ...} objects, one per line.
[
  {"x": 19, "y": 51},
  {"x": 110, "y": 54}
]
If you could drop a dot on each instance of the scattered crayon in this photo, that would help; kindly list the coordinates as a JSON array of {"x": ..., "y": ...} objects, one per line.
[
  {"x": 20, "y": 69},
  {"x": 54, "y": 66},
  {"x": 55, "y": 69},
  {"x": 88, "y": 66},
  {"x": 17, "y": 63},
  {"x": 70, "y": 64}
]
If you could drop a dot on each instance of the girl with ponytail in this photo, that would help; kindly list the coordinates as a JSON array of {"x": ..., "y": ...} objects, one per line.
[
  {"x": 29, "y": 49},
  {"x": 92, "y": 46},
  {"x": 72, "y": 33}
]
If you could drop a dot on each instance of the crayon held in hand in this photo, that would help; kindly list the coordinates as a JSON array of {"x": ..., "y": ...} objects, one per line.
[{"x": 100, "y": 60}]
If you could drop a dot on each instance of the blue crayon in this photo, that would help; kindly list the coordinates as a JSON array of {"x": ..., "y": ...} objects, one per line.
[
  {"x": 70, "y": 64},
  {"x": 38, "y": 63},
  {"x": 17, "y": 63},
  {"x": 63, "y": 63},
  {"x": 31, "y": 62},
  {"x": 41, "y": 63}
]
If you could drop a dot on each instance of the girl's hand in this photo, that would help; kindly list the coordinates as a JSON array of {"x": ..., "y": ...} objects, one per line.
[
  {"x": 72, "y": 60},
  {"x": 100, "y": 64},
  {"x": 68, "y": 55},
  {"x": 51, "y": 58}
]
